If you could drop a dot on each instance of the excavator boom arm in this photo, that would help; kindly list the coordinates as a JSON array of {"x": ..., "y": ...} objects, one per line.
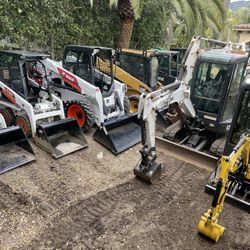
[
  {"x": 177, "y": 92},
  {"x": 229, "y": 164}
]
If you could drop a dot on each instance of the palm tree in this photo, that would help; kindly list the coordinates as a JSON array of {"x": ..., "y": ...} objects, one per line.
[
  {"x": 128, "y": 10},
  {"x": 196, "y": 16},
  {"x": 190, "y": 17}
]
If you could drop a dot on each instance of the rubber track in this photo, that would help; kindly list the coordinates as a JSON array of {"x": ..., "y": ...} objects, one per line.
[{"x": 218, "y": 145}]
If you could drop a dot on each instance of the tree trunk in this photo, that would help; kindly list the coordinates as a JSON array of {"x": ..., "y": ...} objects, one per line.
[
  {"x": 226, "y": 5},
  {"x": 125, "y": 32}
]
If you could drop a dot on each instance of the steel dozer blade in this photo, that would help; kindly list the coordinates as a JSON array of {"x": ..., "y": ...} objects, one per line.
[
  {"x": 15, "y": 149},
  {"x": 60, "y": 138},
  {"x": 119, "y": 134},
  {"x": 211, "y": 230}
]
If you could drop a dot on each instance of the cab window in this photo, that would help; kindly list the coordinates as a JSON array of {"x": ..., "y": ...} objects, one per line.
[{"x": 233, "y": 91}]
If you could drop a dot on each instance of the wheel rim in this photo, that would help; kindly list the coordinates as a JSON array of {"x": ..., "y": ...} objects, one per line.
[
  {"x": 133, "y": 106},
  {"x": 77, "y": 112},
  {"x": 21, "y": 121}
]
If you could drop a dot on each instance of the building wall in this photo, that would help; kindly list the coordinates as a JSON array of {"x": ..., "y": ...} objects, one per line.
[{"x": 244, "y": 36}]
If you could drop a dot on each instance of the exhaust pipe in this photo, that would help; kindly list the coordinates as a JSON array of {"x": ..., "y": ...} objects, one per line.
[
  {"x": 15, "y": 149},
  {"x": 119, "y": 134},
  {"x": 60, "y": 138}
]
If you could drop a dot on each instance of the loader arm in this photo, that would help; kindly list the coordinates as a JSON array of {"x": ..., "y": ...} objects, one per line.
[
  {"x": 177, "y": 92},
  {"x": 130, "y": 80},
  {"x": 79, "y": 85},
  {"x": 239, "y": 158},
  {"x": 125, "y": 77}
]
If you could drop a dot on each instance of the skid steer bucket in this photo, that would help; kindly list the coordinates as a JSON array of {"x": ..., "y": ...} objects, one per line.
[
  {"x": 60, "y": 138},
  {"x": 15, "y": 149},
  {"x": 119, "y": 134}
]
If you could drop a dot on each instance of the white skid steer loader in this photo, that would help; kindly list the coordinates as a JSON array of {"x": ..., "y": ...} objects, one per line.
[
  {"x": 93, "y": 97},
  {"x": 15, "y": 149},
  {"x": 34, "y": 107}
]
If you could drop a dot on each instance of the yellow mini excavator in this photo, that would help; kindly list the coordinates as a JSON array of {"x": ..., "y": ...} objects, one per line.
[{"x": 232, "y": 178}]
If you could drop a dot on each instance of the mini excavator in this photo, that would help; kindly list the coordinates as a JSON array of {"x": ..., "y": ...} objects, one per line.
[
  {"x": 232, "y": 176},
  {"x": 205, "y": 109}
]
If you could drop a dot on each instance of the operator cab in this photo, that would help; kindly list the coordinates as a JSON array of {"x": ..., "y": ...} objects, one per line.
[
  {"x": 168, "y": 66},
  {"x": 241, "y": 121},
  {"x": 88, "y": 63},
  {"x": 24, "y": 73},
  {"x": 135, "y": 63},
  {"x": 149, "y": 66},
  {"x": 215, "y": 85}
]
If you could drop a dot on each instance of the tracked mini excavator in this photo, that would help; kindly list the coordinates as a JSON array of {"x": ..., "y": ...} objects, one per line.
[
  {"x": 231, "y": 179},
  {"x": 33, "y": 106},
  {"x": 15, "y": 149},
  {"x": 93, "y": 97},
  {"x": 203, "y": 108},
  {"x": 215, "y": 75}
]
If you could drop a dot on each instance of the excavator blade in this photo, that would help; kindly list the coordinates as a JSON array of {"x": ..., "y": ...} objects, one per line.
[
  {"x": 210, "y": 230},
  {"x": 60, "y": 138},
  {"x": 119, "y": 134},
  {"x": 184, "y": 153},
  {"x": 15, "y": 149}
]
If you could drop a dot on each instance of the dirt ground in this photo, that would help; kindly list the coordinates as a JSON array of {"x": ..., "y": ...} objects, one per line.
[{"x": 91, "y": 200}]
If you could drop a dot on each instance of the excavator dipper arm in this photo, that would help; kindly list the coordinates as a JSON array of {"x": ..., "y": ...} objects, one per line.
[
  {"x": 177, "y": 92},
  {"x": 229, "y": 164}
]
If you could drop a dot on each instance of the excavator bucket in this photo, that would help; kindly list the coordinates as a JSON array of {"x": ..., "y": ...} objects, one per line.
[
  {"x": 15, "y": 149},
  {"x": 60, "y": 138},
  {"x": 211, "y": 230},
  {"x": 119, "y": 134}
]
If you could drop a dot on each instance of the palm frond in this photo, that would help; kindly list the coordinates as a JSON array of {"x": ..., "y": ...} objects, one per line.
[
  {"x": 137, "y": 6},
  {"x": 113, "y": 3}
]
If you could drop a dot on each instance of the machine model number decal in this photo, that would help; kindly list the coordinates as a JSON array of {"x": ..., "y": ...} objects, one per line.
[
  {"x": 9, "y": 95},
  {"x": 69, "y": 79}
]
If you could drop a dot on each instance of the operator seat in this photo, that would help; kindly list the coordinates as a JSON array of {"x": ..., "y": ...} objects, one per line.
[{"x": 214, "y": 91}]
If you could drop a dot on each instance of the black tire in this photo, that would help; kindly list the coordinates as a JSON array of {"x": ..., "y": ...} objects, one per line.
[
  {"x": 24, "y": 122},
  {"x": 87, "y": 106},
  {"x": 8, "y": 116},
  {"x": 126, "y": 104},
  {"x": 133, "y": 99}
]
